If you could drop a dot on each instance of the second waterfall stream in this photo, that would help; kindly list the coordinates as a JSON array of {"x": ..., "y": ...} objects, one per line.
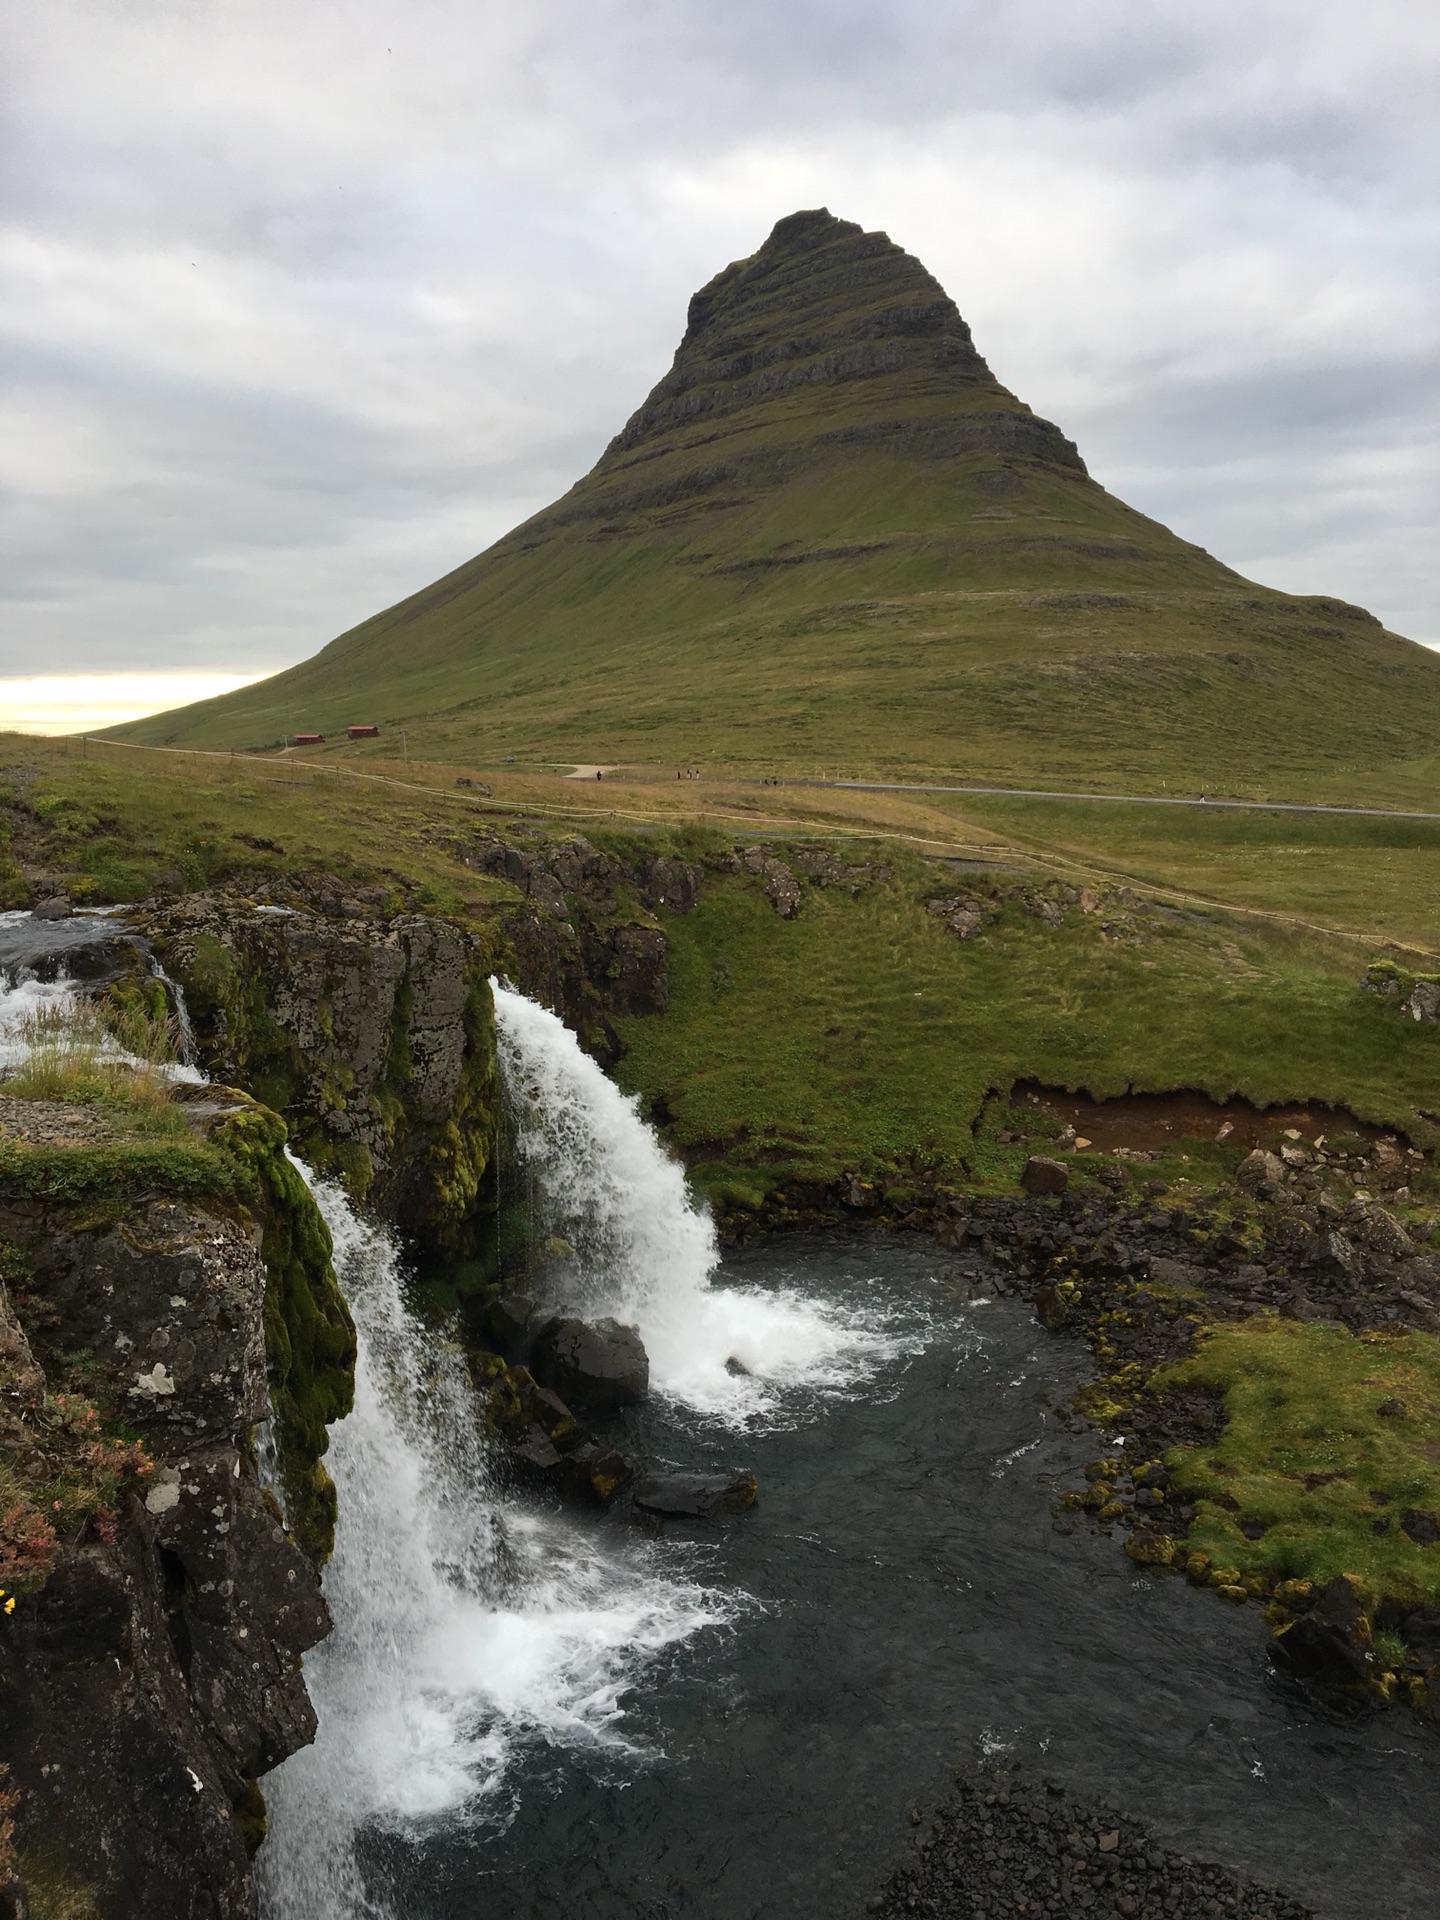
[
  {"x": 642, "y": 1252},
  {"x": 474, "y": 1631}
]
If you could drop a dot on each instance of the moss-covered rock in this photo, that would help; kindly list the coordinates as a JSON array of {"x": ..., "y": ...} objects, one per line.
[
  {"x": 373, "y": 1036},
  {"x": 309, "y": 1334}
]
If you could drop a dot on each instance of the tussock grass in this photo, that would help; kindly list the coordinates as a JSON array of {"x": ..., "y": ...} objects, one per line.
[
  {"x": 86, "y": 1055},
  {"x": 54, "y": 1891},
  {"x": 1304, "y": 1401}
]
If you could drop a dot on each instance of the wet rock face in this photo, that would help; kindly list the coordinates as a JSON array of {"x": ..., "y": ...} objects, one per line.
[
  {"x": 157, "y": 1670},
  {"x": 595, "y": 947},
  {"x": 92, "y": 948},
  {"x": 372, "y": 1036}
]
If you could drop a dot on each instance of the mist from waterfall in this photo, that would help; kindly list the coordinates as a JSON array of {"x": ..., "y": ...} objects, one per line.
[
  {"x": 470, "y": 1634},
  {"x": 629, "y": 1242}
]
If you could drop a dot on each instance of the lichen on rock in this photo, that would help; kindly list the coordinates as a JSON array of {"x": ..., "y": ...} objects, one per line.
[
  {"x": 371, "y": 1034},
  {"x": 151, "y": 1660},
  {"x": 309, "y": 1334}
]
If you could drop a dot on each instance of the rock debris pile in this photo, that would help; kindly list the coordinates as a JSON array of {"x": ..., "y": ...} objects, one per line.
[{"x": 1007, "y": 1845}]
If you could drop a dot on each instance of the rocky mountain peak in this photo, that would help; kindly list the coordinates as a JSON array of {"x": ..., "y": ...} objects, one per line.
[{"x": 821, "y": 304}]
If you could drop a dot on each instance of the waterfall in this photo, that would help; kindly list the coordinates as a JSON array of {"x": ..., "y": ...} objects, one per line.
[
  {"x": 469, "y": 1633},
  {"x": 189, "y": 1052},
  {"x": 21, "y": 998},
  {"x": 630, "y": 1242},
  {"x": 36, "y": 976}
]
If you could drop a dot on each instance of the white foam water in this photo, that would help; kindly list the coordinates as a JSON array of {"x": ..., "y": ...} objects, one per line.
[
  {"x": 18, "y": 1002},
  {"x": 632, "y": 1244},
  {"x": 28, "y": 996},
  {"x": 23, "y": 995},
  {"x": 468, "y": 1632}
]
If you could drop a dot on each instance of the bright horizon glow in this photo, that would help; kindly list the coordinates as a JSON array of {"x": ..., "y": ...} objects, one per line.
[{"x": 80, "y": 702}]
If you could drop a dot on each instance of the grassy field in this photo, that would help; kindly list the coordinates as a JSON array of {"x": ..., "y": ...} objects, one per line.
[
  {"x": 1357, "y": 874},
  {"x": 863, "y": 1034},
  {"x": 1327, "y": 1444},
  {"x": 832, "y": 541},
  {"x": 882, "y": 1033}
]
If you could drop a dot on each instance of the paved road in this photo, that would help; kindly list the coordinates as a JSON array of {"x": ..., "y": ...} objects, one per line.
[{"x": 1126, "y": 799}]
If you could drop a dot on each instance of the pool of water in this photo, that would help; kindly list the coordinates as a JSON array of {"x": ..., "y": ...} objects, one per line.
[{"x": 905, "y": 1598}]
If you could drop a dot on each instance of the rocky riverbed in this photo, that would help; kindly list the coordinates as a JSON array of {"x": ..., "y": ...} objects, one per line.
[{"x": 1010, "y": 1845}]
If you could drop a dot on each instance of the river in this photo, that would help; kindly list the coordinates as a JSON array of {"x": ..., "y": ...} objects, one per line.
[{"x": 555, "y": 1713}]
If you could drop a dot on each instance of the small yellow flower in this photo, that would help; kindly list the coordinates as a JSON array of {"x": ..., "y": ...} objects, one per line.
[{"x": 10, "y": 1604}]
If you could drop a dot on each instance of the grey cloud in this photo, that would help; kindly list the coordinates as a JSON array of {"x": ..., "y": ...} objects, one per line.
[{"x": 428, "y": 284}]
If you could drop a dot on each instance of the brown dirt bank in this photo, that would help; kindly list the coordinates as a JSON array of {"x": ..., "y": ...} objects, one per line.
[{"x": 1147, "y": 1122}]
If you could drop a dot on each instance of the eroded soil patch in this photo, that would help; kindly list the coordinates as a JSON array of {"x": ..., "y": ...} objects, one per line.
[{"x": 1147, "y": 1122}]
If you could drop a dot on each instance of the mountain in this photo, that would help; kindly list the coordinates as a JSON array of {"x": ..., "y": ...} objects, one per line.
[{"x": 830, "y": 539}]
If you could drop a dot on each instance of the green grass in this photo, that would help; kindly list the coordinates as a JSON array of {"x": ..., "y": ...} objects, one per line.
[
  {"x": 900, "y": 573},
  {"x": 882, "y": 1033},
  {"x": 1355, "y": 873},
  {"x": 1304, "y": 1400},
  {"x": 70, "y": 1057},
  {"x": 120, "y": 830},
  {"x": 863, "y": 1033}
]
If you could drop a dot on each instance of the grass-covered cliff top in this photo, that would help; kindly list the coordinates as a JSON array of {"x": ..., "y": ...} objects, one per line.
[
  {"x": 1233, "y": 969},
  {"x": 90, "y": 1133},
  {"x": 830, "y": 537},
  {"x": 1104, "y": 950},
  {"x": 83, "y": 1124}
]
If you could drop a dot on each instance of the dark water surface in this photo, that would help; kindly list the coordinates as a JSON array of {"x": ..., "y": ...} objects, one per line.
[{"x": 913, "y": 1604}]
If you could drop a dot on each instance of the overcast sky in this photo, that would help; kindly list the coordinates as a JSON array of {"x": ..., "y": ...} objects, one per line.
[{"x": 303, "y": 302}]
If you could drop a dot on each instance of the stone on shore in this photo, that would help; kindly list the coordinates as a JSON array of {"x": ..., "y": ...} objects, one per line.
[
  {"x": 1332, "y": 1643},
  {"x": 1044, "y": 1175}
]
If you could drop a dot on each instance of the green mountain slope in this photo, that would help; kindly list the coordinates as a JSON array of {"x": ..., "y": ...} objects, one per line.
[{"x": 830, "y": 539}]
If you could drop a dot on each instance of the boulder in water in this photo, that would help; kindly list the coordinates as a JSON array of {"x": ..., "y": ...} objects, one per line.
[
  {"x": 597, "y": 1364},
  {"x": 57, "y": 907},
  {"x": 537, "y": 1451},
  {"x": 597, "y": 1472},
  {"x": 1052, "y": 1307},
  {"x": 1332, "y": 1643},
  {"x": 696, "y": 1495},
  {"x": 516, "y": 1406}
]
